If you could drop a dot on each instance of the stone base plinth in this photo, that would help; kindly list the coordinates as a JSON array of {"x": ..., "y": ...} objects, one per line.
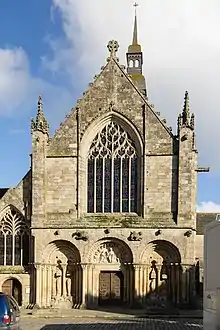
[{"x": 62, "y": 303}]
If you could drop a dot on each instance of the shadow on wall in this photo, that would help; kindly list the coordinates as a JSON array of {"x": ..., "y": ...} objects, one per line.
[
  {"x": 135, "y": 324},
  {"x": 174, "y": 288}
]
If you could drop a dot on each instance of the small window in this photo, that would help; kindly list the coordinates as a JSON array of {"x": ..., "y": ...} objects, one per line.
[
  {"x": 137, "y": 64},
  {"x": 131, "y": 64}
]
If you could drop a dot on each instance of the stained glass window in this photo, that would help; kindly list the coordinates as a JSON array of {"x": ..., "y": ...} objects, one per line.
[
  {"x": 112, "y": 172},
  {"x": 14, "y": 245}
]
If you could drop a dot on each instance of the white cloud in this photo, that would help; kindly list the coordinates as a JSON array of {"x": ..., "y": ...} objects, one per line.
[
  {"x": 207, "y": 207},
  {"x": 14, "y": 79},
  {"x": 181, "y": 51},
  {"x": 19, "y": 89}
]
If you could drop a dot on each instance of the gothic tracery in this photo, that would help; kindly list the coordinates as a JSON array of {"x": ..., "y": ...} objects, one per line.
[
  {"x": 112, "y": 171},
  {"x": 14, "y": 238}
]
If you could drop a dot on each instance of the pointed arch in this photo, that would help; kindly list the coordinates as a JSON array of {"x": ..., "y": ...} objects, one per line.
[
  {"x": 14, "y": 237},
  {"x": 98, "y": 124},
  {"x": 112, "y": 148}
]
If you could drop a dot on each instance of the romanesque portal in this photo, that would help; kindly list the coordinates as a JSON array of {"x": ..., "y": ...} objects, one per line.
[{"x": 110, "y": 276}]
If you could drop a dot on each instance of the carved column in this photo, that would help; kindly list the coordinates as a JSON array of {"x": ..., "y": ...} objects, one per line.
[
  {"x": 84, "y": 286},
  {"x": 49, "y": 285},
  {"x": 184, "y": 284},
  {"x": 136, "y": 284},
  {"x": 90, "y": 284},
  {"x": 141, "y": 283},
  {"x": 76, "y": 284},
  {"x": 127, "y": 284},
  {"x": 44, "y": 285},
  {"x": 53, "y": 271},
  {"x": 145, "y": 283},
  {"x": 64, "y": 281},
  {"x": 177, "y": 266},
  {"x": 80, "y": 285},
  {"x": 38, "y": 285}
]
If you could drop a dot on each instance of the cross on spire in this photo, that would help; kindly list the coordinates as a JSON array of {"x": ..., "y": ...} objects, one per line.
[{"x": 135, "y": 6}]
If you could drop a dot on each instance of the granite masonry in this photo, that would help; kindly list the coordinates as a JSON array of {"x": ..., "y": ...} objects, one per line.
[{"x": 107, "y": 212}]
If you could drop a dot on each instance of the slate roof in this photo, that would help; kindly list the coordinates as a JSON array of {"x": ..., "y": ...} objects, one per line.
[
  {"x": 202, "y": 219},
  {"x": 3, "y": 191}
]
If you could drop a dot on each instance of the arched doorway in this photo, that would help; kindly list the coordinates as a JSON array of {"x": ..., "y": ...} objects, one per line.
[
  {"x": 13, "y": 287},
  {"x": 62, "y": 272},
  {"x": 164, "y": 272},
  {"x": 112, "y": 262}
]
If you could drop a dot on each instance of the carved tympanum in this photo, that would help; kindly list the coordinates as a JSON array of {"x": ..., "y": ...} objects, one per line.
[{"x": 110, "y": 253}]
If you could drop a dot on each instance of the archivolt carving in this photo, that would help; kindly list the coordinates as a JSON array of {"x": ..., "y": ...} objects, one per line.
[
  {"x": 159, "y": 251},
  {"x": 61, "y": 250}
]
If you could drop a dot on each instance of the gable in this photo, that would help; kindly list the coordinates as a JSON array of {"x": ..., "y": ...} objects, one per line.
[
  {"x": 111, "y": 91},
  {"x": 19, "y": 197}
]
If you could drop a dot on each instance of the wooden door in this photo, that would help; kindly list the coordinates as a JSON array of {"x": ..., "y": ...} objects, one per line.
[
  {"x": 13, "y": 288},
  {"x": 110, "y": 287},
  {"x": 7, "y": 287}
]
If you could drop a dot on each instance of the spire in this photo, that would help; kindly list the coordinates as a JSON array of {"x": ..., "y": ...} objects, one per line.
[
  {"x": 135, "y": 59},
  {"x": 135, "y": 34},
  {"x": 40, "y": 124},
  {"x": 135, "y": 47}
]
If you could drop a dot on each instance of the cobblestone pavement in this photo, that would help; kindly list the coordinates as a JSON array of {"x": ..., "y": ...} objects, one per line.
[{"x": 108, "y": 324}]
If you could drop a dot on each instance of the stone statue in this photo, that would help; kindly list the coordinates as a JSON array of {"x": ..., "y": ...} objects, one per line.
[
  {"x": 68, "y": 280},
  {"x": 103, "y": 254},
  {"x": 111, "y": 255},
  {"x": 58, "y": 277}
]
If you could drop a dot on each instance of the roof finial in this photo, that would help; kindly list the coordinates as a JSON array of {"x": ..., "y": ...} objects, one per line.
[
  {"x": 135, "y": 37},
  {"x": 113, "y": 47}
]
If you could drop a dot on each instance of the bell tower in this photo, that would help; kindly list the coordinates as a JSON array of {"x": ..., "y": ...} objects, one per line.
[{"x": 135, "y": 59}]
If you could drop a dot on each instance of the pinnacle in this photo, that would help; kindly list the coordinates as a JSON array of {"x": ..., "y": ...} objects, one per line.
[
  {"x": 40, "y": 124},
  {"x": 185, "y": 119}
]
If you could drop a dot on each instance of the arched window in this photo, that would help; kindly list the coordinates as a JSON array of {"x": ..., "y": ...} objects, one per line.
[
  {"x": 14, "y": 238},
  {"x": 112, "y": 172},
  {"x": 131, "y": 64},
  {"x": 136, "y": 63}
]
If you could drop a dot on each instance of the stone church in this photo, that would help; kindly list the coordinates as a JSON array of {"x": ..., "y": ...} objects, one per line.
[{"x": 106, "y": 214}]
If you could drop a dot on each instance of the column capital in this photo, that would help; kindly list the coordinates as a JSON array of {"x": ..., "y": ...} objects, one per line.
[
  {"x": 84, "y": 266},
  {"x": 137, "y": 267}
]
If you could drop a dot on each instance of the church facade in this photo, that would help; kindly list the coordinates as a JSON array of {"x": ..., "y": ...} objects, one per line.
[{"x": 107, "y": 212}]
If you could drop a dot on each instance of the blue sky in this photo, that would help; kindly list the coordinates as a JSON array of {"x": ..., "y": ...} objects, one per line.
[{"x": 54, "y": 48}]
